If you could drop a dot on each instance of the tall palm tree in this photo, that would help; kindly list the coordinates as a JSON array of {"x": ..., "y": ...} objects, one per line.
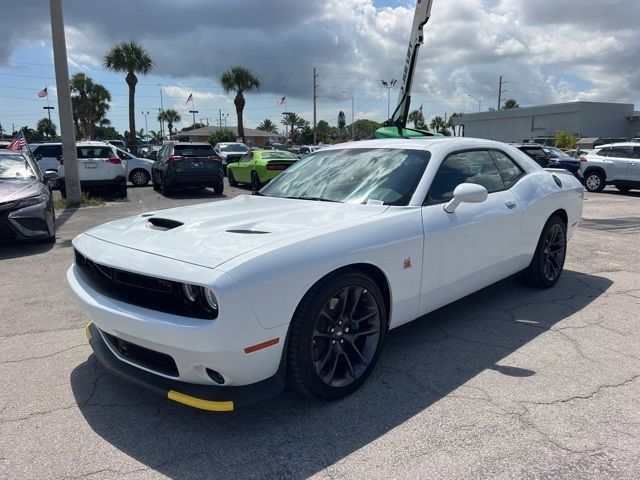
[
  {"x": 170, "y": 116},
  {"x": 46, "y": 128},
  {"x": 239, "y": 80},
  {"x": 131, "y": 58},
  {"x": 90, "y": 102},
  {"x": 292, "y": 120},
  {"x": 155, "y": 137},
  {"x": 268, "y": 126},
  {"x": 450, "y": 123}
]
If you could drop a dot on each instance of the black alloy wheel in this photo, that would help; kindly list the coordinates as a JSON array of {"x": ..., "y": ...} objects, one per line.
[
  {"x": 548, "y": 260},
  {"x": 336, "y": 335}
]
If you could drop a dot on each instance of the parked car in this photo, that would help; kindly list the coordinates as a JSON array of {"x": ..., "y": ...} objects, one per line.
[
  {"x": 100, "y": 168},
  {"x": 535, "y": 151},
  {"x": 219, "y": 305},
  {"x": 307, "y": 149},
  {"x": 560, "y": 159},
  {"x": 26, "y": 204},
  {"x": 187, "y": 164},
  {"x": 138, "y": 169},
  {"x": 258, "y": 167},
  {"x": 4, "y": 144},
  {"x": 615, "y": 164},
  {"x": 577, "y": 153},
  {"x": 229, "y": 152},
  {"x": 118, "y": 144},
  {"x": 47, "y": 155},
  {"x": 152, "y": 153}
]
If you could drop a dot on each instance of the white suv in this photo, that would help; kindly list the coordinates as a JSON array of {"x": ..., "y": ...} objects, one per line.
[
  {"x": 615, "y": 164},
  {"x": 100, "y": 167}
]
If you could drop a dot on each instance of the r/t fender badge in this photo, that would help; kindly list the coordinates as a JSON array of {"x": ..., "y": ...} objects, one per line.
[{"x": 407, "y": 263}]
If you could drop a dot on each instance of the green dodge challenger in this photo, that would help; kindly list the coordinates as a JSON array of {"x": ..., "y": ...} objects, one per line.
[{"x": 258, "y": 167}]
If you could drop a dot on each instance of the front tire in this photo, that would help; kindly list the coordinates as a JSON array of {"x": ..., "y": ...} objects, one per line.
[
  {"x": 166, "y": 190},
  {"x": 336, "y": 336},
  {"x": 548, "y": 260},
  {"x": 232, "y": 179},
  {"x": 594, "y": 181}
]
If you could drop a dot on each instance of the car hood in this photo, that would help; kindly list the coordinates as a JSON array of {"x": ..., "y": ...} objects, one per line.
[
  {"x": 11, "y": 189},
  {"x": 213, "y": 233}
]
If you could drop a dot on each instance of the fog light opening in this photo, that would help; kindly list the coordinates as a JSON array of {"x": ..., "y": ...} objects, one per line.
[{"x": 215, "y": 376}]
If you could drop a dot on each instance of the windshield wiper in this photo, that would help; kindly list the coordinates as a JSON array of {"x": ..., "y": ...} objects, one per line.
[{"x": 315, "y": 199}]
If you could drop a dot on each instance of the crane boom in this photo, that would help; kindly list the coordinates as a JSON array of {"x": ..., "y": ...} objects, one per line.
[{"x": 401, "y": 113}]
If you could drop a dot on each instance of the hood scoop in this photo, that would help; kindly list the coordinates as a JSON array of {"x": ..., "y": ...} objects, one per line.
[
  {"x": 163, "y": 224},
  {"x": 247, "y": 232}
]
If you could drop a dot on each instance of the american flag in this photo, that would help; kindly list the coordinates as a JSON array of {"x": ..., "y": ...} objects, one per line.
[
  {"x": 42, "y": 93},
  {"x": 17, "y": 143},
  {"x": 420, "y": 110},
  {"x": 282, "y": 101},
  {"x": 189, "y": 98}
]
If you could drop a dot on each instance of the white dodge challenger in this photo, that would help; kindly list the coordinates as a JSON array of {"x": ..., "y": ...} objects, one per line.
[{"x": 220, "y": 305}]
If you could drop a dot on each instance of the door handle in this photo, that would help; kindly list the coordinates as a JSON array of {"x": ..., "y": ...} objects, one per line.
[{"x": 511, "y": 204}]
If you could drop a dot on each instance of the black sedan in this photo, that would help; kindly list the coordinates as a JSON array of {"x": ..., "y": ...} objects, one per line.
[
  {"x": 26, "y": 204},
  {"x": 560, "y": 159}
]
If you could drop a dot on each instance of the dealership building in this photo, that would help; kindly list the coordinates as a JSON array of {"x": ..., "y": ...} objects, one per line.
[{"x": 604, "y": 121}]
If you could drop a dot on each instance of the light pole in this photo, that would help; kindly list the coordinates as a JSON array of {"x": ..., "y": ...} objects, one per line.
[
  {"x": 146, "y": 127},
  {"x": 286, "y": 135},
  {"x": 479, "y": 100},
  {"x": 161, "y": 112},
  {"x": 389, "y": 85}
]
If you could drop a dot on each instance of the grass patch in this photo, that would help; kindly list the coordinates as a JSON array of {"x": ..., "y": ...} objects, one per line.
[{"x": 85, "y": 201}]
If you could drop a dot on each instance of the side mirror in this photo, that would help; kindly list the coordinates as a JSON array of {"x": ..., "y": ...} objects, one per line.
[
  {"x": 468, "y": 193},
  {"x": 50, "y": 175}
]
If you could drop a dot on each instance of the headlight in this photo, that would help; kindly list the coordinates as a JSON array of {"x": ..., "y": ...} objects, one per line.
[
  {"x": 190, "y": 292},
  {"x": 28, "y": 202},
  {"x": 210, "y": 298}
]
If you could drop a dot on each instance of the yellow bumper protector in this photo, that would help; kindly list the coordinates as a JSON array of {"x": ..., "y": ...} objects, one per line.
[
  {"x": 87, "y": 331},
  {"x": 199, "y": 403}
]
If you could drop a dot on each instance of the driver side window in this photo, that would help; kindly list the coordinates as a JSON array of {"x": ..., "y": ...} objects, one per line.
[{"x": 464, "y": 167}]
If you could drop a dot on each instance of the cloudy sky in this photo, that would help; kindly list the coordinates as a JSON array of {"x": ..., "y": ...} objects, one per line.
[{"x": 547, "y": 50}]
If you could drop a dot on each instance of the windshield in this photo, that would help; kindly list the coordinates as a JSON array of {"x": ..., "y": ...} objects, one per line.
[
  {"x": 557, "y": 152},
  {"x": 271, "y": 155},
  {"x": 15, "y": 167},
  {"x": 378, "y": 176},
  {"x": 233, "y": 147}
]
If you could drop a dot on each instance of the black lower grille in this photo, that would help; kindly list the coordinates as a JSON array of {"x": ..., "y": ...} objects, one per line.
[
  {"x": 33, "y": 224},
  {"x": 156, "y": 361}
]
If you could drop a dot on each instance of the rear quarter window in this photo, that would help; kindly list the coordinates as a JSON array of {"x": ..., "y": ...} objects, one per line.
[{"x": 94, "y": 152}]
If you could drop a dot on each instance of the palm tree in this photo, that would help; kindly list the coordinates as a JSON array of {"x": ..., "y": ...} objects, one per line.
[
  {"x": 511, "y": 103},
  {"x": 131, "y": 58},
  {"x": 170, "y": 116},
  {"x": 46, "y": 128},
  {"x": 155, "y": 137},
  {"x": 294, "y": 121},
  {"x": 90, "y": 102},
  {"x": 450, "y": 122},
  {"x": 417, "y": 118},
  {"x": 268, "y": 126},
  {"x": 239, "y": 80},
  {"x": 438, "y": 125}
]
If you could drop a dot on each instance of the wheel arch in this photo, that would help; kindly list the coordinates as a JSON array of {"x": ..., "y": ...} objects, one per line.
[
  {"x": 376, "y": 274},
  {"x": 562, "y": 213},
  {"x": 593, "y": 169}
]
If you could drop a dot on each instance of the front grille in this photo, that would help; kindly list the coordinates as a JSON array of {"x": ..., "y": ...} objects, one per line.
[
  {"x": 33, "y": 224},
  {"x": 142, "y": 290},
  {"x": 156, "y": 361}
]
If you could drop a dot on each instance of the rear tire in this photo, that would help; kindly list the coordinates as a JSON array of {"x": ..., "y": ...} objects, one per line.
[
  {"x": 594, "y": 181},
  {"x": 232, "y": 180},
  {"x": 255, "y": 181},
  {"x": 139, "y": 178},
  {"x": 548, "y": 260},
  {"x": 156, "y": 185},
  {"x": 336, "y": 335},
  {"x": 166, "y": 190},
  {"x": 218, "y": 188}
]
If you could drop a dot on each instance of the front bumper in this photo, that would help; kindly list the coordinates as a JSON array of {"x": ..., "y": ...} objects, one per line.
[
  {"x": 26, "y": 223},
  {"x": 205, "y": 397}
]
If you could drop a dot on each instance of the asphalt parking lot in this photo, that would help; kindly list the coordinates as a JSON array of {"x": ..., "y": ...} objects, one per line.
[{"x": 508, "y": 383}]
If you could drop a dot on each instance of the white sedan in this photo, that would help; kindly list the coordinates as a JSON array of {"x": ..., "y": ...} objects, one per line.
[
  {"x": 138, "y": 169},
  {"x": 219, "y": 305}
]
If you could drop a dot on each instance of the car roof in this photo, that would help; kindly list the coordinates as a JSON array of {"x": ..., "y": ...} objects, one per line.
[
  {"x": 534, "y": 145},
  {"x": 418, "y": 143},
  {"x": 619, "y": 144},
  {"x": 191, "y": 143}
]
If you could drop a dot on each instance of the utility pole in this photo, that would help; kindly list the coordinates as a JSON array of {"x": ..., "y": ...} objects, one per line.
[
  {"x": 479, "y": 100},
  {"x": 161, "y": 112},
  {"x": 353, "y": 131},
  {"x": 71, "y": 173},
  {"x": 48, "y": 108},
  {"x": 315, "y": 96},
  {"x": 220, "y": 113},
  {"x": 193, "y": 111},
  {"x": 500, "y": 92}
]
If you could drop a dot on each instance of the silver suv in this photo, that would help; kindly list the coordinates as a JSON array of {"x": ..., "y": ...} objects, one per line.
[{"x": 615, "y": 164}]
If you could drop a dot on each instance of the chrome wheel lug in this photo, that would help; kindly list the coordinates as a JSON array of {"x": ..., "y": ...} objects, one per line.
[
  {"x": 341, "y": 341},
  {"x": 333, "y": 330},
  {"x": 333, "y": 341},
  {"x": 340, "y": 322},
  {"x": 346, "y": 330}
]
